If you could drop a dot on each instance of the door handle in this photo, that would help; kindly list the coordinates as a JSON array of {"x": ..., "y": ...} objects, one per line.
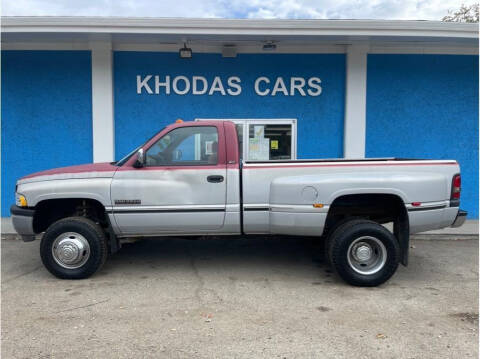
[{"x": 215, "y": 179}]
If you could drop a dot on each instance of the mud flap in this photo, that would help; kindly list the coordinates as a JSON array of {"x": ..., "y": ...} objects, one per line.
[
  {"x": 114, "y": 244},
  {"x": 401, "y": 230}
]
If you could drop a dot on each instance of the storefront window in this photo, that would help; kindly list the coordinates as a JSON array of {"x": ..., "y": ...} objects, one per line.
[
  {"x": 266, "y": 139},
  {"x": 270, "y": 142}
]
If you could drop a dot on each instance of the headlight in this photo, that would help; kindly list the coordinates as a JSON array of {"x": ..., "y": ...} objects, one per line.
[{"x": 21, "y": 200}]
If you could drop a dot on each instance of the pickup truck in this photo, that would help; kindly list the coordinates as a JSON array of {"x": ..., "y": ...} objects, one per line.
[{"x": 190, "y": 180}]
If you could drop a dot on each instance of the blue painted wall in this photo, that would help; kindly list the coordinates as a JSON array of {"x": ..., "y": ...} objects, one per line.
[
  {"x": 320, "y": 119},
  {"x": 46, "y": 114},
  {"x": 417, "y": 106},
  {"x": 426, "y": 106}
]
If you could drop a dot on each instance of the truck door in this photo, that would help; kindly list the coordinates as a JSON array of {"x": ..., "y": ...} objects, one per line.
[{"x": 181, "y": 187}]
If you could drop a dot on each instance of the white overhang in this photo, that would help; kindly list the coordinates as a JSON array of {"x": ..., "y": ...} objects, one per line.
[{"x": 170, "y": 30}]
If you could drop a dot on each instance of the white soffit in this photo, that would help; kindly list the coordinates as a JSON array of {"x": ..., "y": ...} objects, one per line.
[{"x": 207, "y": 35}]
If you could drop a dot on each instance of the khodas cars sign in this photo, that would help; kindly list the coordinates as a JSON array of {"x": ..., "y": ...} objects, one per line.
[{"x": 231, "y": 86}]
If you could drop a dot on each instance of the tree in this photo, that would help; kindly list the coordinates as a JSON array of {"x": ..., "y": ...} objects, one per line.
[{"x": 464, "y": 14}]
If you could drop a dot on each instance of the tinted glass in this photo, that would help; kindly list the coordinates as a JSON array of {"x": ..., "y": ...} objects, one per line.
[
  {"x": 185, "y": 146},
  {"x": 240, "y": 139}
]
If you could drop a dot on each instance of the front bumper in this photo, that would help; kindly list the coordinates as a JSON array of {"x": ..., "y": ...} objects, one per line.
[
  {"x": 460, "y": 219},
  {"x": 22, "y": 220}
]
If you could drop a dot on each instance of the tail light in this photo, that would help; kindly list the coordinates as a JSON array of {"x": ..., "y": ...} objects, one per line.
[{"x": 456, "y": 185}]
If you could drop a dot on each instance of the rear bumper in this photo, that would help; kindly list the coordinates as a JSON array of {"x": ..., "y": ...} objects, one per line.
[
  {"x": 460, "y": 219},
  {"x": 22, "y": 220}
]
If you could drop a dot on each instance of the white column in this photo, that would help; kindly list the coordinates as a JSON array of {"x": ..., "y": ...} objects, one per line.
[
  {"x": 102, "y": 100},
  {"x": 355, "y": 102}
]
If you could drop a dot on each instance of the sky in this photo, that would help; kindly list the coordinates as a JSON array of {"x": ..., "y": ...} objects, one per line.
[{"x": 280, "y": 9}]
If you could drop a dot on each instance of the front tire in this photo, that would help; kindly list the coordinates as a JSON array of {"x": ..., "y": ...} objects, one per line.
[
  {"x": 363, "y": 253},
  {"x": 73, "y": 248}
]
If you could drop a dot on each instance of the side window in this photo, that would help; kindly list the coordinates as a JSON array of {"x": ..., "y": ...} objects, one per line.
[
  {"x": 239, "y": 127},
  {"x": 197, "y": 145}
]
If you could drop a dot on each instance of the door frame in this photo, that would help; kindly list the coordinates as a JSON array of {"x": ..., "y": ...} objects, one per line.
[{"x": 128, "y": 225}]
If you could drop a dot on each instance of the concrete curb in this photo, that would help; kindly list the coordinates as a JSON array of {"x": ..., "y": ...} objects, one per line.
[
  {"x": 444, "y": 237},
  {"x": 470, "y": 227}
]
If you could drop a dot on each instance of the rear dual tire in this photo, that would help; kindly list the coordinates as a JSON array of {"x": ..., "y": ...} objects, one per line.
[{"x": 363, "y": 252}]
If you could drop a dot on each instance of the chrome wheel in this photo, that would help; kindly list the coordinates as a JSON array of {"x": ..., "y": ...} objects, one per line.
[
  {"x": 71, "y": 250},
  {"x": 367, "y": 255}
]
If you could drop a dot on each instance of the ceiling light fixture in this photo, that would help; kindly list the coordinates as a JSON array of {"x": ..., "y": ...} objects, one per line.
[
  {"x": 269, "y": 46},
  {"x": 229, "y": 50},
  {"x": 185, "y": 52}
]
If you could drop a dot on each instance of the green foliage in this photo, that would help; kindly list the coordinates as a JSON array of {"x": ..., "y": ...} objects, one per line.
[{"x": 464, "y": 14}]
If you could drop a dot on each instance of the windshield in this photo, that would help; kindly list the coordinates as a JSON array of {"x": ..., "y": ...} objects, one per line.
[{"x": 130, "y": 154}]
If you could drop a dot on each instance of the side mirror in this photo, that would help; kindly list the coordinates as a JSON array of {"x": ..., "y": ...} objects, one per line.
[{"x": 140, "y": 162}]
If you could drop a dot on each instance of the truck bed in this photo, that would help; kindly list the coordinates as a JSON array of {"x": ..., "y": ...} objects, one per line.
[{"x": 279, "y": 196}]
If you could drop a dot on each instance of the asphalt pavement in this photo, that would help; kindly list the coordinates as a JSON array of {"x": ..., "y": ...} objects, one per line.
[{"x": 240, "y": 298}]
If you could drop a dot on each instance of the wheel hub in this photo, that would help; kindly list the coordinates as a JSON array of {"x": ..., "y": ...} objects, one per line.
[
  {"x": 363, "y": 253},
  {"x": 367, "y": 255},
  {"x": 71, "y": 250}
]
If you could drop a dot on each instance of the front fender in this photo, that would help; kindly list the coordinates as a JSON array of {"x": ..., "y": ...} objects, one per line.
[{"x": 92, "y": 188}]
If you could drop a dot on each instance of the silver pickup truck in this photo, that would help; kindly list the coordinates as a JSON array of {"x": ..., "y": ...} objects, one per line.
[{"x": 190, "y": 180}]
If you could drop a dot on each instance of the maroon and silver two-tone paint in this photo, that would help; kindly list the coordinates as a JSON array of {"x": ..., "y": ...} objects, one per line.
[{"x": 221, "y": 196}]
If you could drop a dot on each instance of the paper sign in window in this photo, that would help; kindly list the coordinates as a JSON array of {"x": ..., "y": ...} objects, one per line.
[{"x": 259, "y": 149}]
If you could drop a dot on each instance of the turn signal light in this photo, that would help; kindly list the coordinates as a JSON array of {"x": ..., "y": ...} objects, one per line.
[
  {"x": 22, "y": 201},
  {"x": 317, "y": 205}
]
